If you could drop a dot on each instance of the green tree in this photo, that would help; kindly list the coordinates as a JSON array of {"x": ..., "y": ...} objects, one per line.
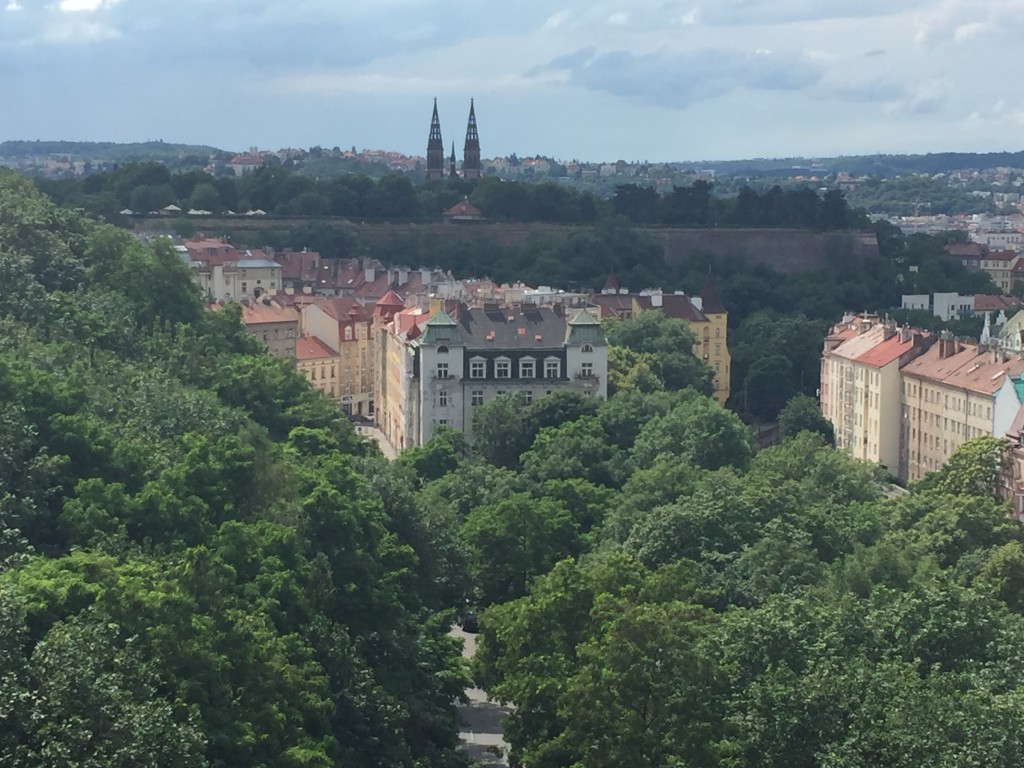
[
  {"x": 513, "y": 541},
  {"x": 667, "y": 346},
  {"x": 801, "y": 414},
  {"x": 698, "y": 430},
  {"x": 205, "y": 197}
]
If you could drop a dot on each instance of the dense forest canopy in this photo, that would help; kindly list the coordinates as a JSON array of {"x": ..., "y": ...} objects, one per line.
[{"x": 200, "y": 562}]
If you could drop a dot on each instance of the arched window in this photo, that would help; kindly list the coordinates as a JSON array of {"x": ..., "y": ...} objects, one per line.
[
  {"x": 586, "y": 348},
  {"x": 442, "y": 350}
]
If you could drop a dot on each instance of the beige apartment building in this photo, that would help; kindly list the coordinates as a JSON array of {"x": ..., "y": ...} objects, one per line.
[
  {"x": 319, "y": 364},
  {"x": 276, "y": 326},
  {"x": 952, "y": 393},
  {"x": 860, "y": 392},
  {"x": 345, "y": 326}
]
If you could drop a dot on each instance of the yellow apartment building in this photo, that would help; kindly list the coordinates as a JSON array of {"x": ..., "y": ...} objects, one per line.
[
  {"x": 345, "y": 326},
  {"x": 319, "y": 364},
  {"x": 861, "y": 387},
  {"x": 953, "y": 392}
]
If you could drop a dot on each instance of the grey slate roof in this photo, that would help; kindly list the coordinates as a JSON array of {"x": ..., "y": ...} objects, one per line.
[{"x": 512, "y": 328}]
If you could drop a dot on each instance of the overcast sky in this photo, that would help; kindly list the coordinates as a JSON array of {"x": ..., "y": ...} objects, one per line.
[{"x": 587, "y": 79}]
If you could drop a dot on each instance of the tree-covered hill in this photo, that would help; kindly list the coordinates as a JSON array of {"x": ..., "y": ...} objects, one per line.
[
  {"x": 200, "y": 563},
  {"x": 107, "y": 151}
]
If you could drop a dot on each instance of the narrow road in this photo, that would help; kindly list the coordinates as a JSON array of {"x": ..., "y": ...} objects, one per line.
[{"x": 481, "y": 732}]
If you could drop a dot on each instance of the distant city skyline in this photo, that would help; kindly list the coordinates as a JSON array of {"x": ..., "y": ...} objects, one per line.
[{"x": 661, "y": 80}]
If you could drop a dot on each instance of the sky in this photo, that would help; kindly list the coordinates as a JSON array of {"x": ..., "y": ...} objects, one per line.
[{"x": 654, "y": 80}]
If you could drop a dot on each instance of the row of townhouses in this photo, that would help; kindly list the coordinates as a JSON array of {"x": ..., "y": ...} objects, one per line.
[
  {"x": 907, "y": 399},
  {"x": 415, "y": 350}
]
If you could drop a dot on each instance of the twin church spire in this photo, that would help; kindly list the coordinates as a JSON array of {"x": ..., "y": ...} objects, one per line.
[{"x": 470, "y": 150}]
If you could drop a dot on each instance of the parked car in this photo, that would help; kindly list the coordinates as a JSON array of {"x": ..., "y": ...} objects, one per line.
[{"x": 468, "y": 622}]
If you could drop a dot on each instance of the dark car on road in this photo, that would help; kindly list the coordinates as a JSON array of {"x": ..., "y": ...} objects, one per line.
[{"x": 467, "y": 620}]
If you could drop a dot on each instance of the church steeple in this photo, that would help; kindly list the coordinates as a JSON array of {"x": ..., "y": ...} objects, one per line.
[
  {"x": 471, "y": 150},
  {"x": 452, "y": 172},
  {"x": 435, "y": 148}
]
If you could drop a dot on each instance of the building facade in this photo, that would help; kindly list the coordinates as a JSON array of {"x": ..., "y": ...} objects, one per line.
[
  {"x": 954, "y": 392},
  {"x": 860, "y": 387},
  {"x": 346, "y": 327},
  {"x": 319, "y": 364},
  {"x": 437, "y": 368},
  {"x": 277, "y": 327}
]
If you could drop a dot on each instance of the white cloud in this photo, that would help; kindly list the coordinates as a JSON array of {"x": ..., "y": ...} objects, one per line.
[
  {"x": 76, "y": 6},
  {"x": 687, "y": 19},
  {"x": 575, "y": 75},
  {"x": 967, "y": 31},
  {"x": 556, "y": 20}
]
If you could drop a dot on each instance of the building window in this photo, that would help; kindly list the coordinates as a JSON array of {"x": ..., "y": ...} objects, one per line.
[
  {"x": 586, "y": 348},
  {"x": 552, "y": 368},
  {"x": 587, "y": 370},
  {"x": 442, "y": 422},
  {"x": 442, "y": 370},
  {"x": 528, "y": 396},
  {"x": 477, "y": 368},
  {"x": 476, "y": 397},
  {"x": 442, "y": 399},
  {"x": 503, "y": 368},
  {"x": 442, "y": 350},
  {"x": 527, "y": 368},
  {"x": 348, "y": 333}
]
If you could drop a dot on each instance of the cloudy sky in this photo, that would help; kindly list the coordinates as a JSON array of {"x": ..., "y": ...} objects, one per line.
[{"x": 587, "y": 79}]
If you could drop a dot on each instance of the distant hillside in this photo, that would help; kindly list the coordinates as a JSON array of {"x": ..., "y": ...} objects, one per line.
[
  {"x": 862, "y": 165},
  {"x": 106, "y": 151}
]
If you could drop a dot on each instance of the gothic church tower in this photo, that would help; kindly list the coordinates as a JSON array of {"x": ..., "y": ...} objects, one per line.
[
  {"x": 471, "y": 150},
  {"x": 435, "y": 148}
]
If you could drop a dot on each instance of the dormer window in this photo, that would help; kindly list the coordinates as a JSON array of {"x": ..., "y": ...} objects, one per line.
[
  {"x": 552, "y": 368},
  {"x": 477, "y": 368},
  {"x": 503, "y": 368},
  {"x": 527, "y": 368}
]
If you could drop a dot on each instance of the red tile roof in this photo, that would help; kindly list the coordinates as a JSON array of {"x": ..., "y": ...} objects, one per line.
[
  {"x": 1001, "y": 255},
  {"x": 984, "y": 302},
  {"x": 966, "y": 249},
  {"x": 970, "y": 368},
  {"x": 391, "y": 299},
  {"x": 464, "y": 208},
  {"x": 312, "y": 348},
  {"x": 341, "y": 308},
  {"x": 886, "y": 352},
  {"x": 259, "y": 313}
]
